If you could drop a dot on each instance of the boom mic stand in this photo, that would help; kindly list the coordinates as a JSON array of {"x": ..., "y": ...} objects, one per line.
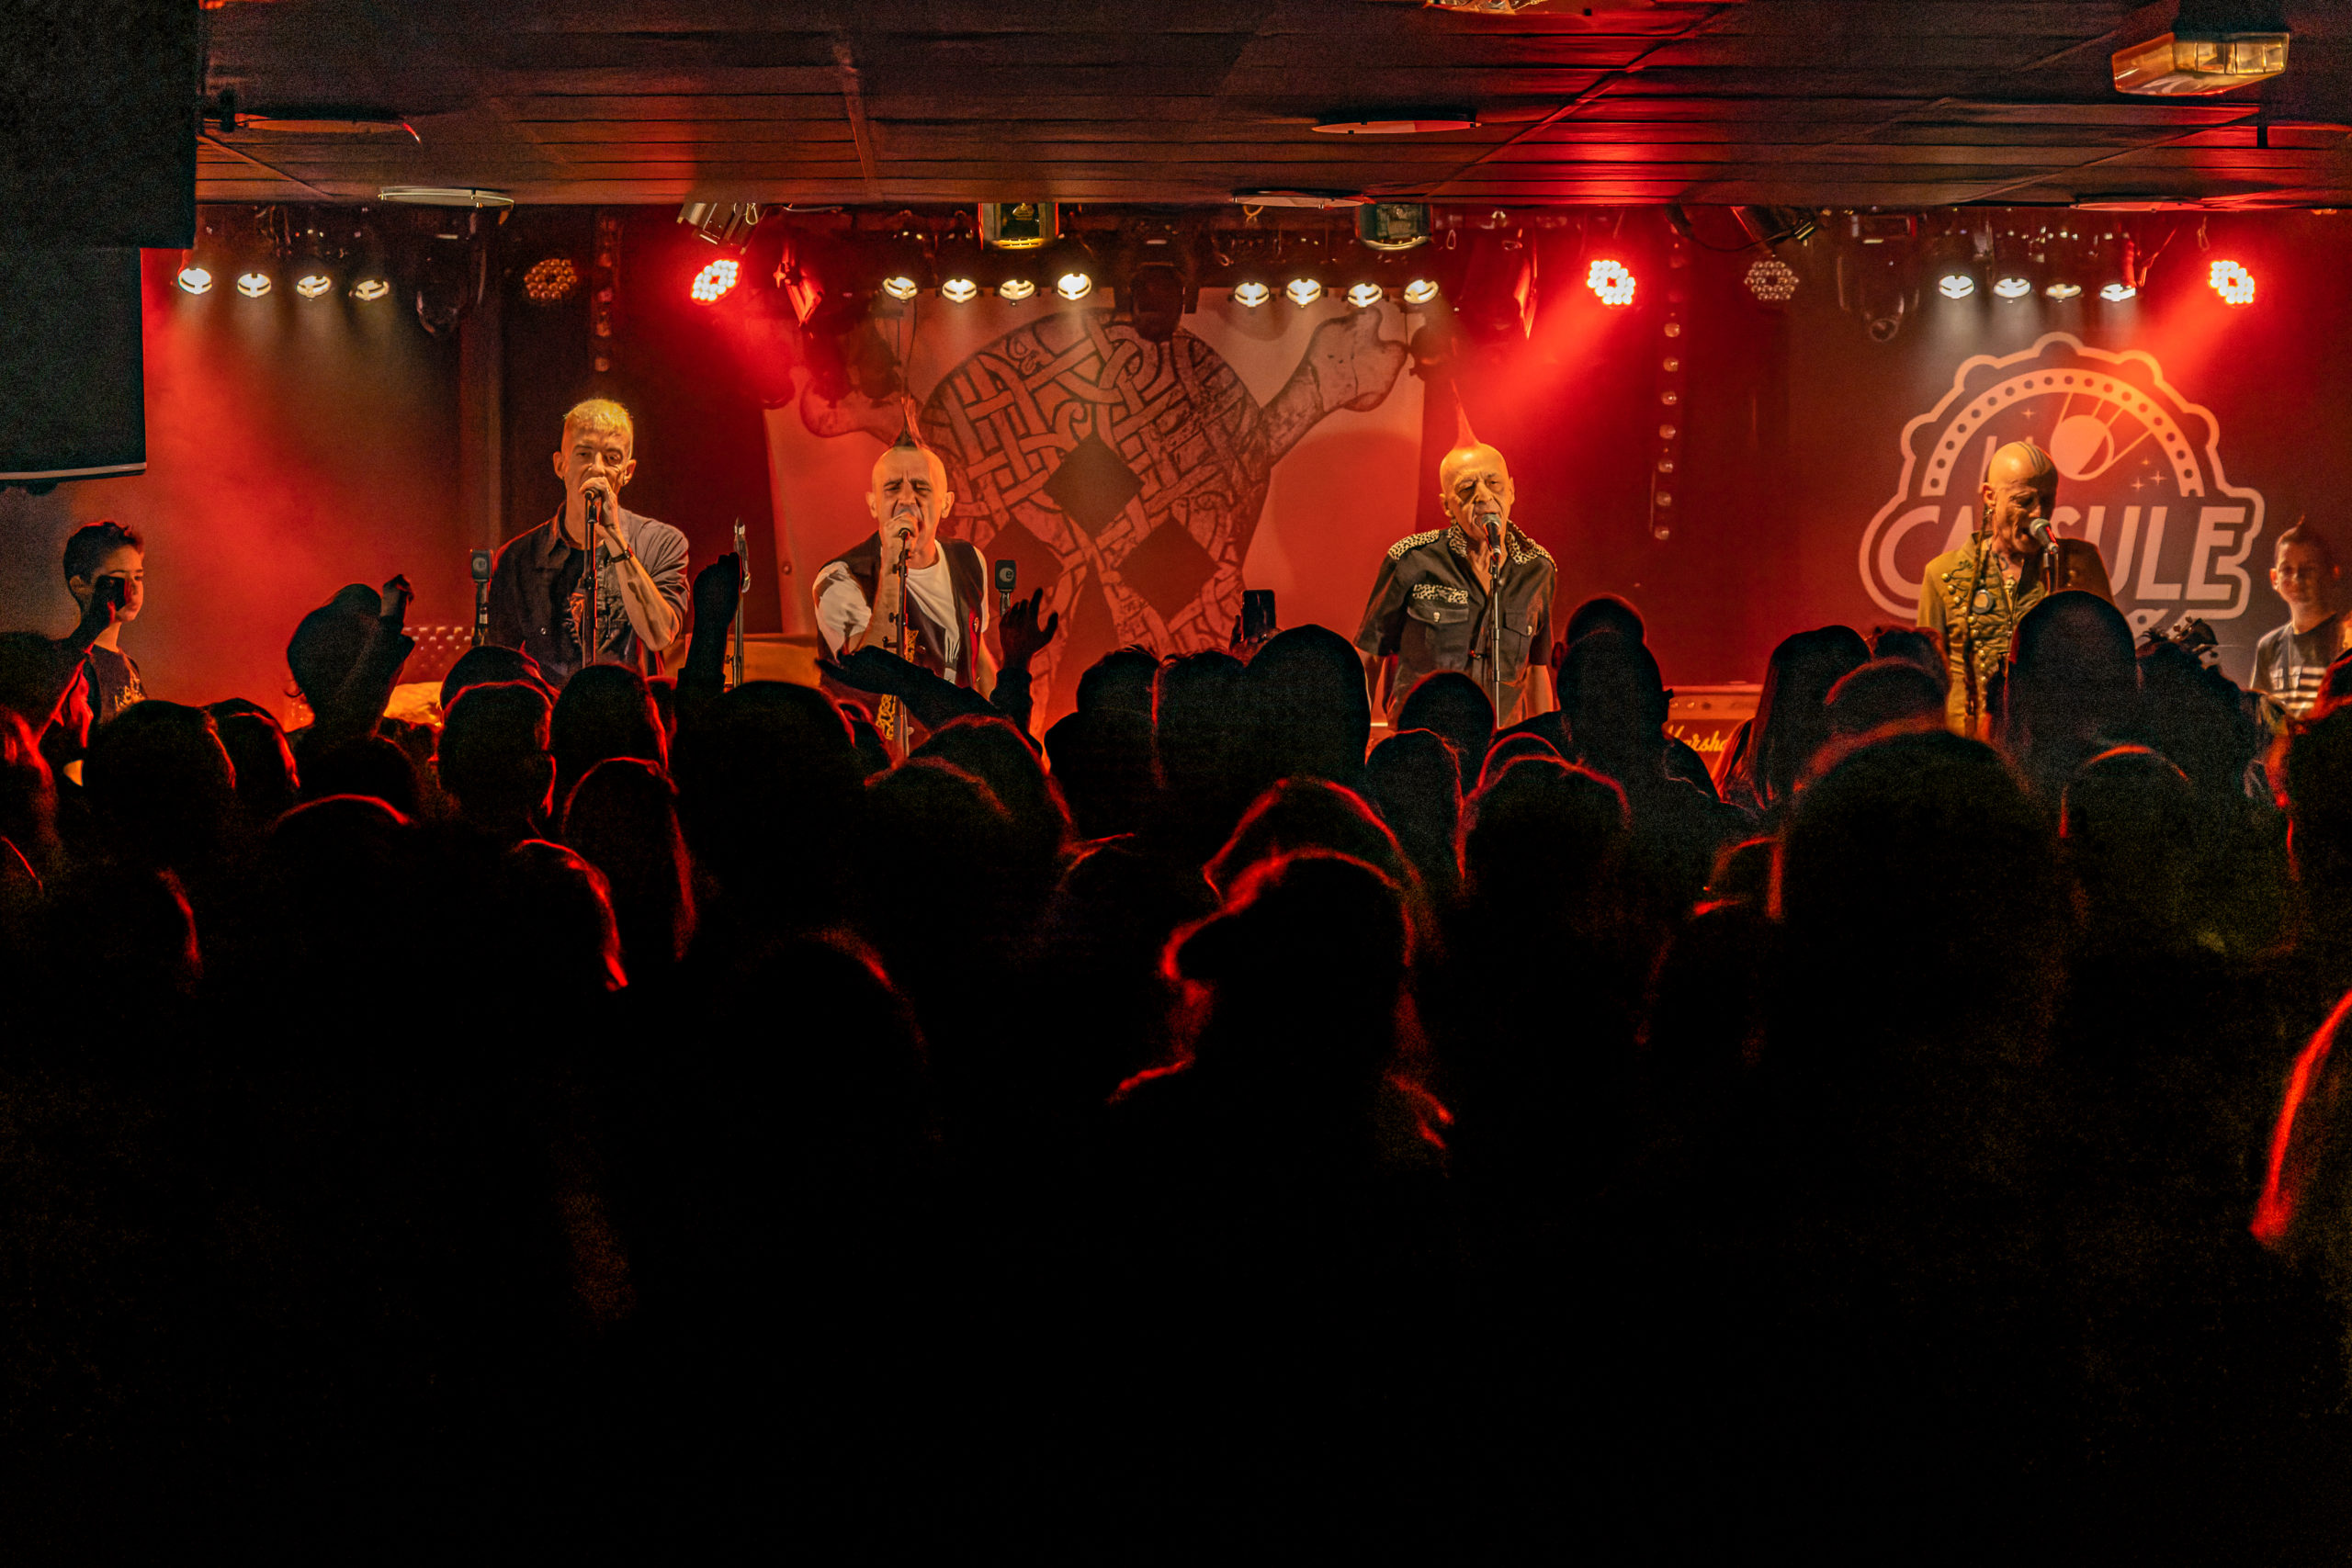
[
  {"x": 1495, "y": 619},
  {"x": 898, "y": 639},
  {"x": 742, "y": 596},
  {"x": 589, "y": 639}
]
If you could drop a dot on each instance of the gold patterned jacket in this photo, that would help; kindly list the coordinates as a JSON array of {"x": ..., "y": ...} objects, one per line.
[{"x": 1974, "y": 606}]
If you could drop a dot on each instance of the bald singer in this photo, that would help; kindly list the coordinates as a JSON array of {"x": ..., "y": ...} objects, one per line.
[
  {"x": 946, "y": 604},
  {"x": 1432, "y": 605},
  {"x": 1973, "y": 597}
]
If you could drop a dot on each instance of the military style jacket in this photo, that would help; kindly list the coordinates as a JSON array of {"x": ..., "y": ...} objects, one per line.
[
  {"x": 1428, "y": 609},
  {"x": 1966, "y": 598}
]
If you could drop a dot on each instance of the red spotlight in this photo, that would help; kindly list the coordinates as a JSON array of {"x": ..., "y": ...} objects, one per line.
[
  {"x": 713, "y": 281},
  {"x": 2232, "y": 282},
  {"x": 1611, "y": 281}
]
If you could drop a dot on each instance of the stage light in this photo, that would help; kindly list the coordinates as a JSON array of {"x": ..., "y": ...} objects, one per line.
[
  {"x": 898, "y": 286},
  {"x": 1303, "y": 291},
  {"x": 1249, "y": 296},
  {"x": 1610, "y": 282},
  {"x": 1020, "y": 225},
  {"x": 550, "y": 279},
  {"x": 311, "y": 284},
  {"x": 1074, "y": 286},
  {"x": 1420, "y": 291},
  {"x": 368, "y": 289},
  {"x": 1392, "y": 225},
  {"x": 2199, "y": 61},
  {"x": 2013, "y": 287},
  {"x": 713, "y": 281},
  {"x": 958, "y": 290},
  {"x": 1015, "y": 289},
  {"x": 2116, "y": 293},
  {"x": 2065, "y": 290},
  {"x": 2232, "y": 282},
  {"x": 195, "y": 279},
  {"x": 1364, "y": 296},
  {"x": 253, "y": 285},
  {"x": 1956, "y": 286},
  {"x": 1772, "y": 280},
  {"x": 729, "y": 226}
]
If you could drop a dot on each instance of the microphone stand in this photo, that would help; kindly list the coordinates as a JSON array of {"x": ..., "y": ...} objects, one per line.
[
  {"x": 1495, "y": 619},
  {"x": 592, "y": 639},
  {"x": 899, "y": 641},
  {"x": 742, "y": 593}
]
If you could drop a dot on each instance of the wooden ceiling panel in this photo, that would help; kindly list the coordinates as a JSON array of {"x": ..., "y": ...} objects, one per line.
[{"x": 1815, "y": 102}]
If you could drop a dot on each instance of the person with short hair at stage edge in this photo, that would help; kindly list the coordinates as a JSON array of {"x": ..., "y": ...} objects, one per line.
[
  {"x": 1431, "y": 604},
  {"x": 946, "y": 582},
  {"x": 539, "y": 600},
  {"x": 2291, "y": 660},
  {"x": 94, "y": 553},
  {"x": 1973, "y": 597}
]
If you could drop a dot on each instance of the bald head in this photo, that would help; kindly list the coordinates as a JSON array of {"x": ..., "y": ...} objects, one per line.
[
  {"x": 1473, "y": 482},
  {"x": 2021, "y": 487},
  {"x": 909, "y": 488}
]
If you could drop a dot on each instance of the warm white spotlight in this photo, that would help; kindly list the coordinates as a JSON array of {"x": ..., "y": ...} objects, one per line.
[
  {"x": 1772, "y": 280},
  {"x": 1301, "y": 291},
  {"x": 898, "y": 286},
  {"x": 1074, "y": 286},
  {"x": 958, "y": 290},
  {"x": 1420, "y": 291},
  {"x": 253, "y": 285},
  {"x": 2232, "y": 282},
  {"x": 2116, "y": 293},
  {"x": 1611, "y": 281},
  {"x": 2013, "y": 287},
  {"x": 370, "y": 288},
  {"x": 2065, "y": 290},
  {"x": 713, "y": 281},
  {"x": 1364, "y": 296},
  {"x": 1249, "y": 296},
  {"x": 1956, "y": 286},
  {"x": 196, "y": 280},
  {"x": 311, "y": 284},
  {"x": 1015, "y": 289}
]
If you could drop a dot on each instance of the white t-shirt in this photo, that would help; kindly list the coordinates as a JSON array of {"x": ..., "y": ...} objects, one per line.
[{"x": 843, "y": 611}]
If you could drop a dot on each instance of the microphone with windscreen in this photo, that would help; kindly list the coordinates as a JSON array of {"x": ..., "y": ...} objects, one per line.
[{"x": 1007, "y": 574}]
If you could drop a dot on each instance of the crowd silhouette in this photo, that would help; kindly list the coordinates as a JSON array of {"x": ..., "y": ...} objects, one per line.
[{"x": 653, "y": 1111}]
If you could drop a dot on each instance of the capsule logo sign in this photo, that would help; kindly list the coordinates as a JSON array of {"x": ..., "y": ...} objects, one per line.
[{"x": 2140, "y": 477}]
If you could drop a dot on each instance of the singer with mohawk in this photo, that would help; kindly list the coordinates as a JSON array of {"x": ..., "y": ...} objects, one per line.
[
  {"x": 1434, "y": 604},
  {"x": 945, "y": 602},
  {"x": 1973, "y": 597}
]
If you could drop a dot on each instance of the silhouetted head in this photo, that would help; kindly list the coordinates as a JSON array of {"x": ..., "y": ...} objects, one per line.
[
  {"x": 266, "y": 781},
  {"x": 1604, "y": 613},
  {"x": 2193, "y": 714},
  {"x": 1924, "y": 810},
  {"x": 770, "y": 792},
  {"x": 604, "y": 712},
  {"x": 2073, "y": 688},
  {"x": 1615, "y": 704},
  {"x": 491, "y": 665},
  {"x": 366, "y": 764},
  {"x": 2130, "y": 821},
  {"x": 159, "y": 778},
  {"x": 1202, "y": 733},
  {"x": 327, "y": 643},
  {"x": 1001, "y": 757},
  {"x": 1536, "y": 838},
  {"x": 494, "y": 757},
  {"x": 1451, "y": 704},
  {"x": 1509, "y": 748},
  {"x": 1121, "y": 680},
  {"x": 940, "y": 886},
  {"x": 1916, "y": 645},
  {"x": 2319, "y": 801},
  {"x": 1103, "y": 763},
  {"x": 1307, "y": 814},
  {"x": 1884, "y": 692},
  {"x": 623, "y": 818},
  {"x": 1314, "y": 718},
  {"x": 1304, "y": 966},
  {"x": 339, "y": 891},
  {"x": 559, "y": 923},
  {"x": 1792, "y": 712},
  {"x": 1415, "y": 781}
]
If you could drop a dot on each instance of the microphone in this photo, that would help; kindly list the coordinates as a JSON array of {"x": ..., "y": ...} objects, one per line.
[
  {"x": 1007, "y": 574},
  {"x": 2042, "y": 535},
  {"x": 1494, "y": 534}
]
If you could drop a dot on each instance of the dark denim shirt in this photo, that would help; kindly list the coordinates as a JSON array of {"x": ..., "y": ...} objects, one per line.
[{"x": 524, "y": 613}]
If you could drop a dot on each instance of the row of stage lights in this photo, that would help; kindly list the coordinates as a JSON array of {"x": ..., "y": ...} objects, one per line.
[
  {"x": 253, "y": 283},
  {"x": 1076, "y": 283},
  {"x": 1774, "y": 282}
]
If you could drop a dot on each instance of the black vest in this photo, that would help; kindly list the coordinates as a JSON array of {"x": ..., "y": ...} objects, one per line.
[{"x": 966, "y": 575}]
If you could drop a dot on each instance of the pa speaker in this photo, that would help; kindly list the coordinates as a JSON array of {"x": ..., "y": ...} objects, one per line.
[{"x": 70, "y": 358}]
